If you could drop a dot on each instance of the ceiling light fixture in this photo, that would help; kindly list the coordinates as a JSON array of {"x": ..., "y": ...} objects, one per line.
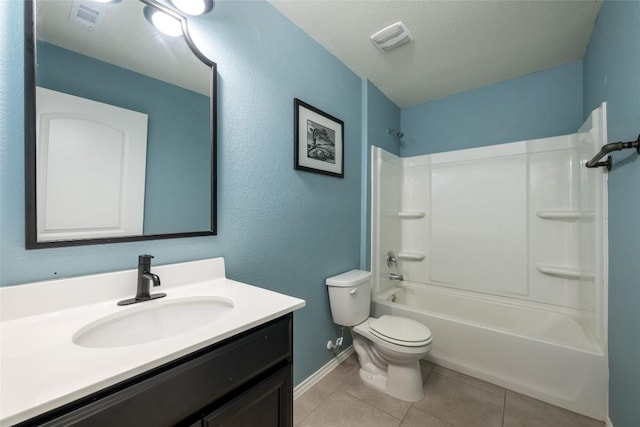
[
  {"x": 164, "y": 22},
  {"x": 193, "y": 7}
]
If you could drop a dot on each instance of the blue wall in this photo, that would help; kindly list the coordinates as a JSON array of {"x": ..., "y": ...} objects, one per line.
[
  {"x": 288, "y": 230},
  {"x": 279, "y": 228},
  {"x": 611, "y": 73},
  {"x": 539, "y": 105},
  {"x": 379, "y": 115},
  {"x": 177, "y": 190}
]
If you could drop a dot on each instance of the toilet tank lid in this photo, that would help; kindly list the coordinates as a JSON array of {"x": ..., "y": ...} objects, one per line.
[{"x": 350, "y": 278}]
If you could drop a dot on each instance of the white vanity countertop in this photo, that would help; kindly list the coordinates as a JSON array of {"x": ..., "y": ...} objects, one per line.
[{"x": 42, "y": 369}]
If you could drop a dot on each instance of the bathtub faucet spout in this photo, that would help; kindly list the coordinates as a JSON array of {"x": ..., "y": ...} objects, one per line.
[{"x": 393, "y": 276}]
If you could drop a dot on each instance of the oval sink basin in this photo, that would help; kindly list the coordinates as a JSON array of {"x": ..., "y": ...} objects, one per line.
[{"x": 159, "y": 320}]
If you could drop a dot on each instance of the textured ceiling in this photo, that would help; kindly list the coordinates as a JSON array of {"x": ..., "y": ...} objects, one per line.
[
  {"x": 124, "y": 39},
  {"x": 459, "y": 45}
]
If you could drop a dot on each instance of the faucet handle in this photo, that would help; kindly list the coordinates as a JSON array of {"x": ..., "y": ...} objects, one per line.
[
  {"x": 144, "y": 259},
  {"x": 391, "y": 259}
]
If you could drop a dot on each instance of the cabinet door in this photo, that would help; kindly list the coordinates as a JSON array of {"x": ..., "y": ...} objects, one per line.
[{"x": 267, "y": 404}]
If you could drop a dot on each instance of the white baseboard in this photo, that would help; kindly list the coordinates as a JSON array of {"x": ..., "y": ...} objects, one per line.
[
  {"x": 320, "y": 373},
  {"x": 607, "y": 422}
]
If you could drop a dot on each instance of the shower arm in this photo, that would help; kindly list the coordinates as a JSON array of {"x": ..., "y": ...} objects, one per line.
[{"x": 607, "y": 148}]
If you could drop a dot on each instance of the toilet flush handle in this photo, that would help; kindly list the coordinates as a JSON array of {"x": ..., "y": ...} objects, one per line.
[{"x": 353, "y": 291}]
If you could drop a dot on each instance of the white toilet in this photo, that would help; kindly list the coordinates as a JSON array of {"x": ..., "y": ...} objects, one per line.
[{"x": 389, "y": 348}]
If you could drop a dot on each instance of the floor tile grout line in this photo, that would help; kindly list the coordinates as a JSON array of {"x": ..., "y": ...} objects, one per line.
[
  {"x": 319, "y": 403},
  {"x": 375, "y": 407},
  {"x": 380, "y": 409},
  {"x": 434, "y": 416},
  {"x": 317, "y": 406},
  {"x": 369, "y": 405},
  {"x": 504, "y": 406},
  {"x": 423, "y": 385}
]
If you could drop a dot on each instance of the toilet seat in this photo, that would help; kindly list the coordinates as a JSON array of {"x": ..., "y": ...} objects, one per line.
[
  {"x": 401, "y": 331},
  {"x": 390, "y": 344}
]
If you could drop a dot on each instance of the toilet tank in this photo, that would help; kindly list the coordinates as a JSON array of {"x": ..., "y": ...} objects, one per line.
[{"x": 350, "y": 297}]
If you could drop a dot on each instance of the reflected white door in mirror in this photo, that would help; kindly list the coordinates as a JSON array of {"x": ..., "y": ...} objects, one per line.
[
  {"x": 91, "y": 171},
  {"x": 91, "y": 168}
]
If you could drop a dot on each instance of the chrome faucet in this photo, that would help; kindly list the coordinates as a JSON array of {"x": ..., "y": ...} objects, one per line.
[
  {"x": 393, "y": 276},
  {"x": 145, "y": 277}
]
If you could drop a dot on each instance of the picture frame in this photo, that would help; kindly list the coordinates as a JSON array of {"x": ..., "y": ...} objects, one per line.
[{"x": 318, "y": 140}]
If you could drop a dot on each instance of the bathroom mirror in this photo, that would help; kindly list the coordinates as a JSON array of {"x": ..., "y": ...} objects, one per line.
[{"x": 120, "y": 126}]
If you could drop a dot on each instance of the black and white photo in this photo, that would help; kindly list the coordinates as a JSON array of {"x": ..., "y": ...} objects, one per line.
[{"x": 318, "y": 140}]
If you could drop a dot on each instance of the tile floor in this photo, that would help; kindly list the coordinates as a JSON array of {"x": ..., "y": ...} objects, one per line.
[{"x": 451, "y": 399}]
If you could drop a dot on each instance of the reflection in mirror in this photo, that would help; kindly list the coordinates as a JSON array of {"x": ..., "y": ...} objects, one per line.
[{"x": 120, "y": 126}]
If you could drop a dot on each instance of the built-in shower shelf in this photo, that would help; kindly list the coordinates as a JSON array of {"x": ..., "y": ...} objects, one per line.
[
  {"x": 411, "y": 214},
  {"x": 411, "y": 256},
  {"x": 564, "y": 272},
  {"x": 564, "y": 215}
]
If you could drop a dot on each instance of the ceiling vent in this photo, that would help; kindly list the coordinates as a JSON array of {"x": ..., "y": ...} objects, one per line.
[
  {"x": 87, "y": 13},
  {"x": 392, "y": 37}
]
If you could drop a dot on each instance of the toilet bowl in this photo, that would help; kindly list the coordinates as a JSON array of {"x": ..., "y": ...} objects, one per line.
[
  {"x": 389, "y": 348},
  {"x": 389, "y": 363}
]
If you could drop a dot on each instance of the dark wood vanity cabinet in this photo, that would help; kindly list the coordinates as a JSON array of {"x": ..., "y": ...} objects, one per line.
[{"x": 245, "y": 380}]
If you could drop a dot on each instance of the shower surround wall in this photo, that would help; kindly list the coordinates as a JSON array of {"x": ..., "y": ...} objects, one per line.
[{"x": 501, "y": 248}]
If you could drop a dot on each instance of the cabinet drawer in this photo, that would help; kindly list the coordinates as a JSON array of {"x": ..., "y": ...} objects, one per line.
[{"x": 178, "y": 392}]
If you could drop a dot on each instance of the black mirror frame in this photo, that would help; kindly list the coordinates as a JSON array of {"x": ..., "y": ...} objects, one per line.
[{"x": 31, "y": 238}]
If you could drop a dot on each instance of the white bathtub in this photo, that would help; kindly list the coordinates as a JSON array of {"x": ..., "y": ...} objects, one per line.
[{"x": 545, "y": 354}]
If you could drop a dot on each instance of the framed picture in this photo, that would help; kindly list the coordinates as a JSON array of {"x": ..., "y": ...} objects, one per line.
[{"x": 318, "y": 140}]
